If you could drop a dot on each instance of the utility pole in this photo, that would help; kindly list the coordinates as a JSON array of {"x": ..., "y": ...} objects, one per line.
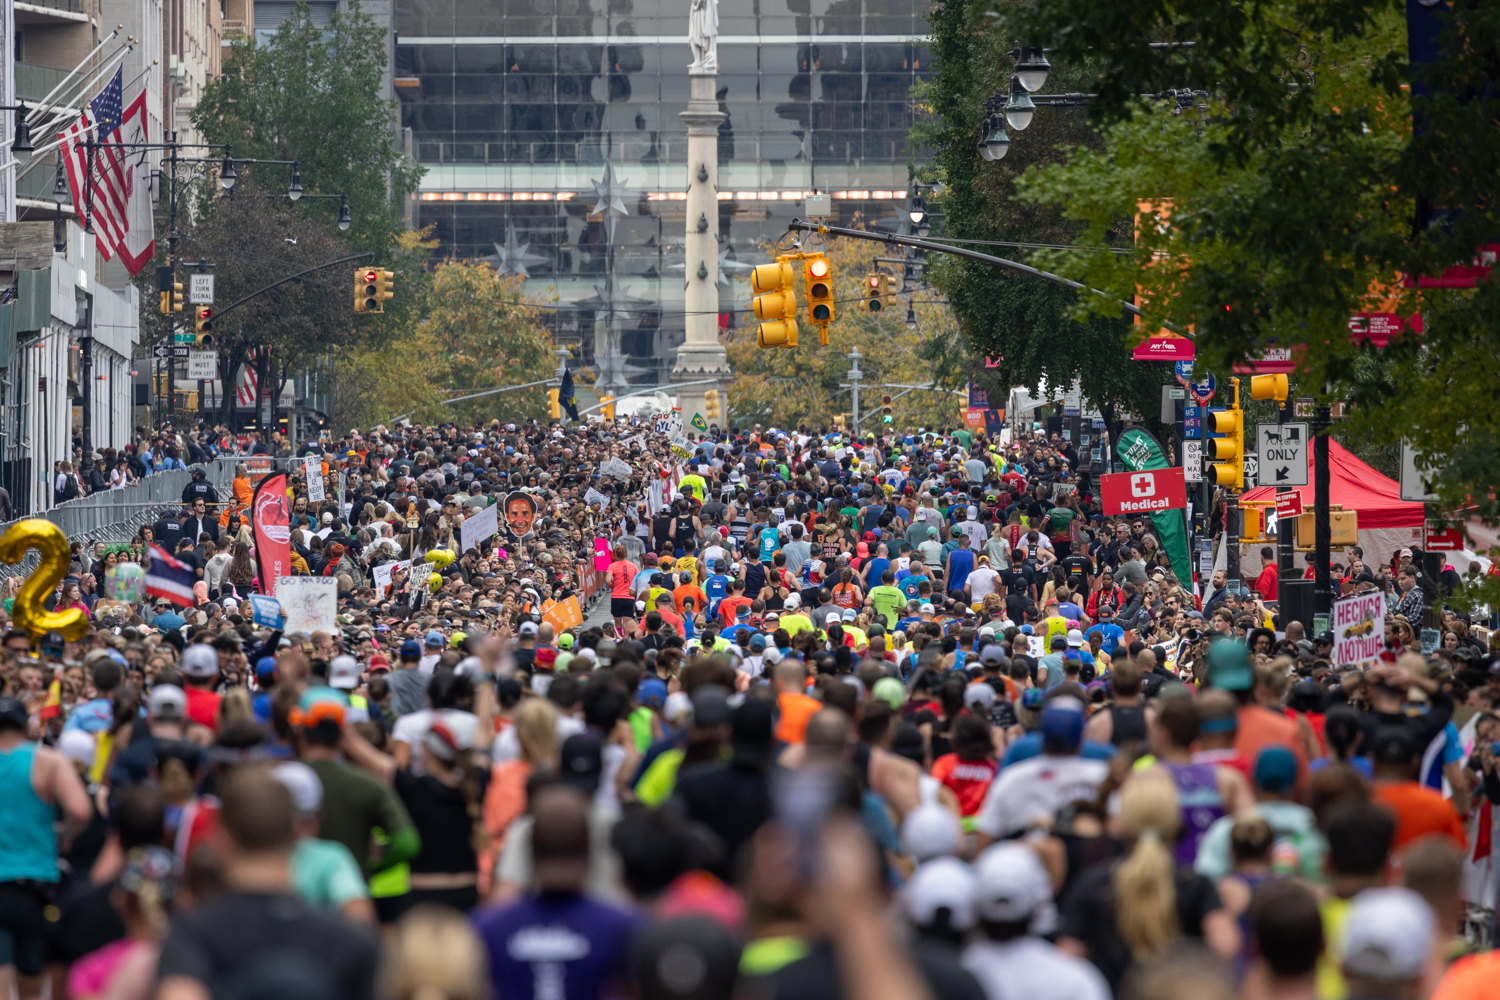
[
  {"x": 1285, "y": 532},
  {"x": 1323, "y": 598},
  {"x": 854, "y": 376}
]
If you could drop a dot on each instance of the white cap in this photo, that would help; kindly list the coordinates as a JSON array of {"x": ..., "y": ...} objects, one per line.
[
  {"x": 1388, "y": 935},
  {"x": 677, "y": 703},
  {"x": 527, "y": 628},
  {"x": 1013, "y": 885},
  {"x": 973, "y": 513},
  {"x": 200, "y": 660},
  {"x": 980, "y": 694},
  {"x": 987, "y": 630},
  {"x": 931, "y": 831},
  {"x": 78, "y": 746},
  {"x": 343, "y": 672},
  {"x": 926, "y": 608},
  {"x": 1075, "y": 638},
  {"x": 940, "y": 883},
  {"x": 792, "y": 601},
  {"x": 302, "y": 781},
  {"x": 167, "y": 702}
]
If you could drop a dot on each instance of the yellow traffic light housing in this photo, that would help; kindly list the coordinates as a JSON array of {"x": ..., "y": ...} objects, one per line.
[
  {"x": 366, "y": 290},
  {"x": 607, "y": 407},
  {"x": 885, "y": 409},
  {"x": 818, "y": 272},
  {"x": 775, "y": 303},
  {"x": 1269, "y": 387},
  {"x": 875, "y": 291},
  {"x": 203, "y": 327},
  {"x": 711, "y": 404},
  {"x": 385, "y": 287},
  {"x": 554, "y": 404},
  {"x": 172, "y": 301},
  {"x": 1227, "y": 453}
]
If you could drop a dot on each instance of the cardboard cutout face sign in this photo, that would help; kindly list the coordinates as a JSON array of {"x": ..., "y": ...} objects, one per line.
[{"x": 520, "y": 513}]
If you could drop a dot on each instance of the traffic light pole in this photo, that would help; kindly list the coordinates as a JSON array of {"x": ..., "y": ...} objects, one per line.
[
  {"x": 854, "y": 376},
  {"x": 1286, "y": 572}
]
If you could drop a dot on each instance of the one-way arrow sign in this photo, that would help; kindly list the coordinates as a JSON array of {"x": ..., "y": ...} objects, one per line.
[
  {"x": 1283, "y": 449},
  {"x": 170, "y": 351}
]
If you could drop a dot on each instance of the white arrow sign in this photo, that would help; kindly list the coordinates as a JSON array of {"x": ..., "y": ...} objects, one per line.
[{"x": 1282, "y": 451}]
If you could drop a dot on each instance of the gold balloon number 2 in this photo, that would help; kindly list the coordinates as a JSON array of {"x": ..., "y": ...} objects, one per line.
[{"x": 28, "y": 611}]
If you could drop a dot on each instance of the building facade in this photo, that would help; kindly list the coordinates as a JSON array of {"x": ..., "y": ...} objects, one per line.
[{"x": 554, "y": 147}]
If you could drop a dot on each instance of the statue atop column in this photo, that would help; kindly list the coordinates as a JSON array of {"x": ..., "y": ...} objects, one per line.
[{"x": 703, "y": 36}]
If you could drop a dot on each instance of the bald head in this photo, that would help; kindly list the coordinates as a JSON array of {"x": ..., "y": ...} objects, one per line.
[
  {"x": 1146, "y": 660},
  {"x": 791, "y": 676}
]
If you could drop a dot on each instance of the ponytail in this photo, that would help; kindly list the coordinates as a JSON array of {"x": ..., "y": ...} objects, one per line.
[{"x": 1144, "y": 888}]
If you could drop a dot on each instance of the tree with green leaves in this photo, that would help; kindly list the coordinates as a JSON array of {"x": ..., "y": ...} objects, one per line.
[
  {"x": 312, "y": 94},
  {"x": 1027, "y": 322},
  {"x": 1329, "y": 173}
]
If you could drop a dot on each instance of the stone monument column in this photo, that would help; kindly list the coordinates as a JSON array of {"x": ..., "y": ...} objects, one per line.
[{"x": 701, "y": 356}]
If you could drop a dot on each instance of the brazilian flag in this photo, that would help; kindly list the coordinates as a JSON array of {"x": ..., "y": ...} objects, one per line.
[{"x": 698, "y": 423}]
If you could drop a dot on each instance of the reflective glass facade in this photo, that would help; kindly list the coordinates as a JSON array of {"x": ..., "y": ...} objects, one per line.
[{"x": 516, "y": 106}]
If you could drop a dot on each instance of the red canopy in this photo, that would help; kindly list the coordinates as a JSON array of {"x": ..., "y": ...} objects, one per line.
[{"x": 1355, "y": 486}]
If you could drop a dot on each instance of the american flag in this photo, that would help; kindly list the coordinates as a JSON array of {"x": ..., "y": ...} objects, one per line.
[
  {"x": 245, "y": 392},
  {"x": 107, "y": 106},
  {"x": 118, "y": 201}
]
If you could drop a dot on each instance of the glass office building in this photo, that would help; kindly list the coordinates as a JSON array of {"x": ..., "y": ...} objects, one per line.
[{"x": 517, "y": 106}]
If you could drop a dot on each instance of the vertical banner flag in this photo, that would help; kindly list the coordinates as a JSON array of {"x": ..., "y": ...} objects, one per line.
[
  {"x": 271, "y": 523},
  {"x": 1140, "y": 452}
]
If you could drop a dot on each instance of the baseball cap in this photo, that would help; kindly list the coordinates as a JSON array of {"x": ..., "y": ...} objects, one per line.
[
  {"x": 1229, "y": 666},
  {"x": 993, "y": 654},
  {"x": 343, "y": 672},
  {"x": 527, "y": 628},
  {"x": 711, "y": 706},
  {"x": 379, "y": 663},
  {"x": 411, "y": 649},
  {"x": 565, "y": 640},
  {"x": 1393, "y": 745},
  {"x": 1388, "y": 935},
  {"x": 688, "y": 958},
  {"x": 757, "y": 642},
  {"x": 1059, "y": 642},
  {"x": 1075, "y": 638},
  {"x": 1275, "y": 770},
  {"x": 302, "y": 781},
  {"x": 78, "y": 746},
  {"x": 581, "y": 763},
  {"x": 167, "y": 702},
  {"x": 979, "y": 696},
  {"x": 265, "y": 665},
  {"x": 200, "y": 660},
  {"x": 434, "y": 638},
  {"x": 941, "y": 884},
  {"x": 931, "y": 831},
  {"x": 652, "y": 692},
  {"x": 1404, "y": 552},
  {"x": 1012, "y": 885},
  {"x": 849, "y": 615},
  {"x": 926, "y": 609},
  {"x": 890, "y": 690},
  {"x": 1062, "y": 721}
]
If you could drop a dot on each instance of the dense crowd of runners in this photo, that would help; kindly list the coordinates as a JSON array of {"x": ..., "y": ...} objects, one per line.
[{"x": 787, "y": 715}]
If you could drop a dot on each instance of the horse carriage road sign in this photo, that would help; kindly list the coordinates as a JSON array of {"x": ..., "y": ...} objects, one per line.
[{"x": 1282, "y": 449}]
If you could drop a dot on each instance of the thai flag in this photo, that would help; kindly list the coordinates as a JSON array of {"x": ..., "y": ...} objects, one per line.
[{"x": 169, "y": 578}]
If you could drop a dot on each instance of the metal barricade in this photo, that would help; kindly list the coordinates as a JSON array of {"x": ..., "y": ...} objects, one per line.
[{"x": 116, "y": 515}]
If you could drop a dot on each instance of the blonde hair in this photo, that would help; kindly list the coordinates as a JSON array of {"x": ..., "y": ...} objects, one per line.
[
  {"x": 236, "y": 706},
  {"x": 536, "y": 729},
  {"x": 1145, "y": 894},
  {"x": 436, "y": 956}
]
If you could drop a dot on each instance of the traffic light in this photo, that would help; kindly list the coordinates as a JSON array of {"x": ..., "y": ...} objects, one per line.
[
  {"x": 607, "y": 407},
  {"x": 373, "y": 288},
  {"x": 711, "y": 404},
  {"x": 172, "y": 301},
  {"x": 554, "y": 405},
  {"x": 1227, "y": 453},
  {"x": 775, "y": 304},
  {"x": 885, "y": 408},
  {"x": 875, "y": 291},
  {"x": 203, "y": 327},
  {"x": 1269, "y": 387},
  {"x": 819, "y": 274}
]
